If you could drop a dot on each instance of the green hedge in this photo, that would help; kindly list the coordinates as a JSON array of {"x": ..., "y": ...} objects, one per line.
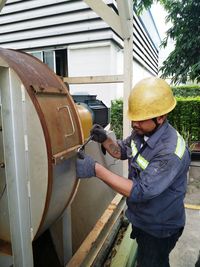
[
  {"x": 116, "y": 117},
  {"x": 185, "y": 117},
  {"x": 186, "y": 90}
]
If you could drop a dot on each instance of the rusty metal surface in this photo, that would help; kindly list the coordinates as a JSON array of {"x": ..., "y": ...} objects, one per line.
[
  {"x": 61, "y": 122},
  {"x": 52, "y": 100},
  {"x": 55, "y": 108}
]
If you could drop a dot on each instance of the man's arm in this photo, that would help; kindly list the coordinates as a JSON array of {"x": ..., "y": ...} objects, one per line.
[
  {"x": 100, "y": 135},
  {"x": 118, "y": 183},
  {"x": 87, "y": 167},
  {"x": 112, "y": 148}
]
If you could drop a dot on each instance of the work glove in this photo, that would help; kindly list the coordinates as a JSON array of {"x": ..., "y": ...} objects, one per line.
[
  {"x": 85, "y": 166},
  {"x": 98, "y": 133}
]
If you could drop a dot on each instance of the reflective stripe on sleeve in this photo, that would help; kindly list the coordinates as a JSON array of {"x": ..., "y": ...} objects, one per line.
[
  {"x": 142, "y": 162},
  {"x": 180, "y": 146},
  {"x": 134, "y": 149}
]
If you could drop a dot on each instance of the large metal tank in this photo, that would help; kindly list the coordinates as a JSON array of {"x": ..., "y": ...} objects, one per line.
[{"x": 40, "y": 131}]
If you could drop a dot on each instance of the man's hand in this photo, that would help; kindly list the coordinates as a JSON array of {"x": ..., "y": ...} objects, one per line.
[
  {"x": 85, "y": 166},
  {"x": 99, "y": 134}
]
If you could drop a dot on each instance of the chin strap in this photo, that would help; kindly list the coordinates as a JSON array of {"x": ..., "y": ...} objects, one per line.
[
  {"x": 155, "y": 129},
  {"x": 156, "y": 123}
]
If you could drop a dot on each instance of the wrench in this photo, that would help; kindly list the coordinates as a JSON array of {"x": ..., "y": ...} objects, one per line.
[{"x": 85, "y": 143}]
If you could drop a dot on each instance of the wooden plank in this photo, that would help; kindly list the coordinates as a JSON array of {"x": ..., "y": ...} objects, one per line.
[
  {"x": 107, "y": 14},
  {"x": 192, "y": 206},
  {"x": 106, "y": 221},
  {"x": 2, "y": 3},
  {"x": 94, "y": 79},
  {"x": 125, "y": 15}
]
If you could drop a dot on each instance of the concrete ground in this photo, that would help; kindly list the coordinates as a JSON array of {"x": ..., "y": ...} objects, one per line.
[{"x": 186, "y": 252}]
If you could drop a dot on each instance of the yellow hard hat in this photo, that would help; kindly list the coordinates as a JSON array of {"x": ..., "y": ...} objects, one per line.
[{"x": 150, "y": 98}]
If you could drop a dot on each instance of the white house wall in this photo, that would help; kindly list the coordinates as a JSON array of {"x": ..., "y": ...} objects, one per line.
[
  {"x": 100, "y": 59},
  {"x": 92, "y": 47},
  {"x": 103, "y": 58}
]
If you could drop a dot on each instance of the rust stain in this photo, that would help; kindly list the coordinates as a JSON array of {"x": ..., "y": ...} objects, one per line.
[{"x": 62, "y": 130}]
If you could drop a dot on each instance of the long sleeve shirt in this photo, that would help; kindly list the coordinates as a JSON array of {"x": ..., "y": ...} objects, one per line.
[{"x": 159, "y": 174}]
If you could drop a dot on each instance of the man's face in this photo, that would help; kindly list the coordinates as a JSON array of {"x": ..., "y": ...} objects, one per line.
[{"x": 143, "y": 127}]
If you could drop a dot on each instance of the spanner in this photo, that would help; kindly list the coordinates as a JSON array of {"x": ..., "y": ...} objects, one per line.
[{"x": 85, "y": 143}]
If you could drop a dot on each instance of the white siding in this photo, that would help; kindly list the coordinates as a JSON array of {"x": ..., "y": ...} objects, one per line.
[
  {"x": 44, "y": 24},
  {"x": 143, "y": 48}
]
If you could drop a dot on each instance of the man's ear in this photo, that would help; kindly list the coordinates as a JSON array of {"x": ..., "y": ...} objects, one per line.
[{"x": 161, "y": 119}]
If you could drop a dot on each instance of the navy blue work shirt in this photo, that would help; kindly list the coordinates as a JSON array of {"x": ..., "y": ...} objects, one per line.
[{"x": 159, "y": 175}]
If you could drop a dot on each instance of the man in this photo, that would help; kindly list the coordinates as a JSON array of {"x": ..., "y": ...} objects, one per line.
[{"x": 158, "y": 164}]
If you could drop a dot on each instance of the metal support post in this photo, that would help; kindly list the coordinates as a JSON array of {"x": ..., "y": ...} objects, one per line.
[
  {"x": 16, "y": 170},
  {"x": 126, "y": 15}
]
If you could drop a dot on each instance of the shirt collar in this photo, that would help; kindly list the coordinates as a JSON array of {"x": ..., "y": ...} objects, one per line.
[{"x": 156, "y": 136}]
